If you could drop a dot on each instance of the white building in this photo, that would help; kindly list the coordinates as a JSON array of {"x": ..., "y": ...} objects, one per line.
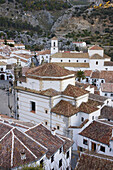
[
  {"x": 106, "y": 89},
  {"x": 98, "y": 137},
  {"x": 80, "y": 44},
  {"x": 95, "y": 59},
  {"x": 54, "y": 45},
  {"x": 49, "y": 95}
]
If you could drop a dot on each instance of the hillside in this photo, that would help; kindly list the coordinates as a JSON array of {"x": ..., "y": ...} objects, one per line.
[{"x": 30, "y": 22}]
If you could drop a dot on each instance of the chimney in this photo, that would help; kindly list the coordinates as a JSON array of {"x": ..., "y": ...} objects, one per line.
[{"x": 53, "y": 131}]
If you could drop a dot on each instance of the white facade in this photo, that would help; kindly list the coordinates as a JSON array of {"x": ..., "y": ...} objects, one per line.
[
  {"x": 92, "y": 52},
  {"x": 54, "y": 46}
]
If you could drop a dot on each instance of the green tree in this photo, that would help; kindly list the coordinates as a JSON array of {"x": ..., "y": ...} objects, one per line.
[{"x": 80, "y": 75}]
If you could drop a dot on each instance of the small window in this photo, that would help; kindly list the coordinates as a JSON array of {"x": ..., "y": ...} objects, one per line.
[
  {"x": 77, "y": 61},
  {"x": 60, "y": 150},
  {"x": 46, "y": 56},
  {"x": 108, "y": 119},
  {"x": 82, "y": 119},
  {"x": 60, "y": 163},
  {"x": 112, "y": 94},
  {"x": 69, "y": 60},
  {"x": 54, "y": 48},
  {"x": 67, "y": 155},
  {"x": 85, "y": 142},
  {"x": 92, "y": 117},
  {"x": 54, "y": 44},
  {"x": 58, "y": 127},
  {"x": 102, "y": 81},
  {"x": 45, "y": 123},
  {"x": 46, "y": 111},
  {"x": 102, "y": 148},
  {"x": 52, "y": 158},
  {"x": 17, "y": 98},
  {"x": 1, "y": 69},
  {"x": 53, "y": 169},
  {"x": 61, "y": 60},
  {"x": 96, "y": 62},
  {"x": 106, "y": 68},
  {"x": 84, "y": 61},
  {"x": 33, "y": 106},
  {"x": 42, "y": 163},
  {"x": 67, "y": 168},
  {"x": 105, "y": 94}
]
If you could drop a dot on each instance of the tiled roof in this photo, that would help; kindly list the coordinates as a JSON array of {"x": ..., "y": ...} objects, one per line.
[
  {"x": 98, "y": 131},
  {"x": 95, "y": 47},
  {"x": 44, "y": 136},
  {"x": 107, "y": 75},
  {"x": 70, "y": 55},
  {"x": 68, "y": 142},
  {"x": 107, "y": 87},
  {"x": 54, "y": 38},
  {"x": 78, "y": 65},
  {"x": 64, "y": 108},
  {"x": 88, "y": 73},
  {"x": 2, "y": 63},
  {"x": 108, "y": 63},
  {"x": 107, "y": 112},
  {"x": 94, "y": 161},
  {"x": 97, "y": 56},
  {"x": 49, "y": 70},
  {"x": 97, "y": 97},
  {"x": 44, "y": 52},
  {"x": 67, "y": 109},
  {"x": 48, "y": 92},
  {"x": 13, "y": 142},
  {"x": 74, "y": 91}
]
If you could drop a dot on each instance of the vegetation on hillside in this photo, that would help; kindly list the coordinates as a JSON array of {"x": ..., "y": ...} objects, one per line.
[{"x": 44, "y": 4}]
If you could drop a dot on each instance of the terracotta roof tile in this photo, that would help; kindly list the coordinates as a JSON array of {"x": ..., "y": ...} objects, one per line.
[
  {"x": 74, "y": 91},
  {"x": 107, "y": 87},
  {"x": 97, "y": 97},
  {"x": 78, "y": 65},
  {"x": 98, "y": 131},
  {"x": 94, "y": 161},
  {"x": 88, "y": 73},
  {"x": 19, "y": 141},
  {"x": 67, "y": 109},
  {"x": 46, "y": 138},
  {"x": 107, "y": 112},
  {"x": 70, "y": 55},
  {"x": 95, "y": 47},
  {"x": 108, "y": 63},
  {"x": 49, "y": 70}
]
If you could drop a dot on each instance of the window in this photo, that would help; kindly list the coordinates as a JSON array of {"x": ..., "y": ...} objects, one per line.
[
  {"x": 112, "y": 94},
  {"x": 77, "y": 61},
  {"x": 96, "y": 62},
  {"x": 46, "y": 111},
  {"x": 58, "y": 127},
  {"x": 1, "y": 69},
  {"x": 102, "y": 148},
  {"x": 60, "y": 150},
  {"x": 85, "y": 142},
  {"x": 69, "y": 60},
  {"x": 46, "y": 56},
  {"x": 102, "y": 81},
  {"x": 45, "y": 123},
  {"x": 60, "y": 163},
  {"x": 82, "y": 119},
  {"x": 105, "y": 94},
  {"x": 108, "y": 119},
  {"x": 42, "y": 163},
  {"x": 61, "y": 60},
  {"x": 52, "y": 158},
  {"x": 106, "y": 68},
  {"x": 92, "y": 117},
  {"x": 67, "y": 168},
  {"x": 53, "y": 169},
  {"x": 67, "y": 156},
  {"x": 84, "y": 61},
  {"x": 33, "y": 106},
  {"x": 54, "y": 44}
]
